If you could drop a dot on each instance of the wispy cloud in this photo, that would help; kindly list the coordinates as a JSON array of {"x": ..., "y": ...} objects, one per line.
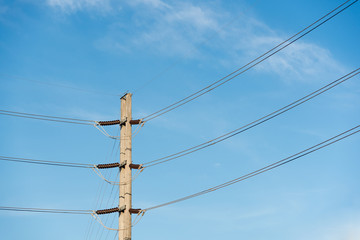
[
  {"x": 162, "y": 29},
  {"x": 150, "y": 3},
  {"x": 187, "y": 29},
  {"x": 71, "y": 6},
  {"x": 303, "y": 61},
  {"x": 344, "y": 229}
]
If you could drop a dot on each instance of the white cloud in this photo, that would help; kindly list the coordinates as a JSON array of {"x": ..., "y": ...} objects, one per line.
[
  {"x": 302, "y": 60},
  {"x": 346, "y": 230},
  {"x": 70, "y": 6},
  {"x": 189, "y": 14},
  {"x": 151, "y": 3},
  {"x": 171, "y": 30},
  {"x": 190, "y": 30},
  {"x": 104, "y": 6}
]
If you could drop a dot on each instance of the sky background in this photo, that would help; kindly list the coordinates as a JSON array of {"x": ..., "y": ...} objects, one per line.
[{"x": 71, "y": 58}]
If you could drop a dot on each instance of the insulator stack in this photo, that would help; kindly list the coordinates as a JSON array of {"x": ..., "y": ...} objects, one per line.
[{"x": 108, "y": 165}]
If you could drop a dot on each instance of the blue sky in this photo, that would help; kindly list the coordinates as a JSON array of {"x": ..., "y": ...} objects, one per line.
[{"x": 72, "y": 57}]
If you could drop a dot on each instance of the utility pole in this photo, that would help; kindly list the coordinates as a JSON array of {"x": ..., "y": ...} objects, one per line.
[
  {"x": 125, "y": 197},
  {"x": 125, "y": 166}
]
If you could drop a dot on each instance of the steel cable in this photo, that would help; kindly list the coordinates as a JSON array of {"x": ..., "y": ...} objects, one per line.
[
  {"x": 253, "y": 123},
  {"x": 284, "y": 161},
  {"x": 44, "y": 162},
  {"x": 249, "y": 65},
  {"x": 45, "y": 210}
]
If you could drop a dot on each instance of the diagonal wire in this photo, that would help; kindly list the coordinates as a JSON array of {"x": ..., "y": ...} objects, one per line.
[
  {"x": 254, "y": 123},
  {"x": 102, "y": 188},
  {"x": 249, "y": 65},
  {"x": 284, "y": 161},
  {"x": 212, "y": 36}
]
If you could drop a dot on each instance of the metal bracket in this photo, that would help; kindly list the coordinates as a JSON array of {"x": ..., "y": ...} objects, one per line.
[
  {"x": 122, "y": 208},
  {"x": 124, "y": 94},
  {"x": 122, "y": 122},
  {"x": 123, "y": 164}
]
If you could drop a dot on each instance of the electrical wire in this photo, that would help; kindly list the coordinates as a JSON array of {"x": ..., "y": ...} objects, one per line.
[
  {"x": 94, "y": 123},
  {"x": 44, "y": 162},
  {"x": 212, "y": 36},
  {"x": 108, "y": 204},
  {"x": 45, "y": 210},
  {"x": 62, "y": 211},
  {"x": 253, "y": 123},
  {"x": 102, "y": 190},
  {"x": 66, "y": 164},
  {"x": 251, "y": 64},
  {"x": 47, "y": 117},
  {"x": 284, "y": 161}
]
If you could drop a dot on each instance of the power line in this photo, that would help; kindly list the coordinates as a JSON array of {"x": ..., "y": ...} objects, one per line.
[
  {"x": 97, "y": 124},
  {"x": 47, "y": 117},
  {"x": 171, "y": 66},
  {"x": 93, "y": 213},
  {"x": 284, "y": 161},
  {"x": 251, "y": 64},
  {"x": 45, "y": 162},
  {"x": 99, "y": 193},
  {"x": 253, "y": 123},
  {"x": 113, "y": 155},
  {"x": 94, "y": 167},
  {"x": 46, "y": 210}
]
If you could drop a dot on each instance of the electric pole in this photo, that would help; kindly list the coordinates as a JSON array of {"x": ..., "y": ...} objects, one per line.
[
  {"x": 125, "y": 183},
  {"x": 125, "y": 166}
]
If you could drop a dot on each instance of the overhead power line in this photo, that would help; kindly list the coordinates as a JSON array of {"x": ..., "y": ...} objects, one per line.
[
  {"x": 47, "y": 117},
  {"x": 44, "y": 162},
  {"x": 252, "y": 63},
  {"x": 93, "y": 213},
  {"x": 284, "y": 161},
  {"x": 97, "y": 124},
  {"x": 253, "y": 123},
  {"x": 212, "y": 36},
  {"x": 46, "y": 210},
  {"x": 95, "y": 167}
]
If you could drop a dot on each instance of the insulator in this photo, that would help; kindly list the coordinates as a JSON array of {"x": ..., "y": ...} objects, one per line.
[
  {"x": 107, "y": 123},
  {"x": 108, "y": 165},
  {"x": 107, "y": 211}
]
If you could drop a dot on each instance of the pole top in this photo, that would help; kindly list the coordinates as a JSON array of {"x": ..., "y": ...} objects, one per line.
[{"x": 125, "y": 95}]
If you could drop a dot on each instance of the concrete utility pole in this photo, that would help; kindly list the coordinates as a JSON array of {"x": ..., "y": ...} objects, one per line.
[
  {"x": 125, "y": 165},
  {"x": 125, "y": 197}
]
